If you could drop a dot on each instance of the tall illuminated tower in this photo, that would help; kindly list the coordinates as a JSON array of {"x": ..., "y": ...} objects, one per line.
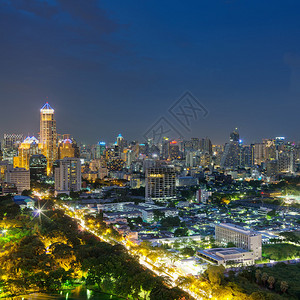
[{"x": 48, "y": 136}]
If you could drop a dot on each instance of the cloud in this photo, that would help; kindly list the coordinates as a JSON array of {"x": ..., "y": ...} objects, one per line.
[
  {"x": 88, "y": 13},
  {"x": 44, "y": 9}
]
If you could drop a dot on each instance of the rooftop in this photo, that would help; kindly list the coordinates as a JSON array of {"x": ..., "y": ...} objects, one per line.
[
  {"x": 237, "y": 229},
  {"x": 219, "y": 253},
  {"x": 47, "y": 108}
]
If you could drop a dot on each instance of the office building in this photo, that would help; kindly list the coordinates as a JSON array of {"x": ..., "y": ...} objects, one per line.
[
  {"x": 48, "y": 136},
  {"x": 231, "y": 155},
  {"x": 30, "y": 146},
  {"x": 5, "y": 166},
  {"x": 206, "y": 145},
  {"x": 99, "y": 150},
  {"x": 38, "y": 166},
  {"x": 234, "y": 136},
  {"x": 67, "y": 175},
  {"x": 11, "y": 140},
  {"x": 173, "y": 150},
  {"x": 241, "y": 238},
  {"x": 160, "y": 183},
  {"x": 272, "y": 168},
  {"x": 9, "y": 146},
  {"x": 65, "y": 148},
  {"x": 20, "y": 177},
  {"x": 247, "y": 156}
]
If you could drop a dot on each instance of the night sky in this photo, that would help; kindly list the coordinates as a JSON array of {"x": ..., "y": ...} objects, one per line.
[{"x": 110, "y": 67}]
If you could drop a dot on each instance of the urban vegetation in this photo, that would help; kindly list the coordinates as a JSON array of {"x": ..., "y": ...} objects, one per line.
[{"x": 52, "y": 252}]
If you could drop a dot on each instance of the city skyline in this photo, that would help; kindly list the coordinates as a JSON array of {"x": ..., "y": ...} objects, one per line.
[
  {"x": 150, "y": 150},
  {"x": 114, "y": 66},
  {"x": 113, "y": 138}
]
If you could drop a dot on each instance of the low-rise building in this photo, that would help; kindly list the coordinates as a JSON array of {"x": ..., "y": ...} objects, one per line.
[{"x": 227, "y": 256}]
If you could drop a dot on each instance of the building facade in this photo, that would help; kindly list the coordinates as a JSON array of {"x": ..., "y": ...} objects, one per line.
[
  {"x": 67, "y": 175},
  {"x": 20, "y": 177},
  {"x": 48, "y": 136},
  {"x": 30, "y": 146},
  {"x": 245, "y": 239},
  {"x": 160, "y": 183}
]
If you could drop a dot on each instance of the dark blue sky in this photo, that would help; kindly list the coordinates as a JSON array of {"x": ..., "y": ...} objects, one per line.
[{"x": 118, "y": 66}]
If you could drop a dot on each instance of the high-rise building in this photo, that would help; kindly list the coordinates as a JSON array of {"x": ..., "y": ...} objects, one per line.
[
  {"x": 38, "y": 166},
  {"x": 247, "y": 156},
  {"x": 20, "y": 177},
  {"x": 30, "y": 146},
  {"x": 271, "y": 168},
  {"x": 9, "y": 146},
  {"x": 65, "y": 148},
  {"x": 99, "y": 150},
  {"x": 259, "y": 153},
  {"x": 269, "y": 149},
  {"x": 286, "y": 162},
  {"x": 206, "y": 145},
  {"x": 173, "y": 151},
  {"x": 195, "y": 143},
  {"x": 67, "y": 175},
  {"x": 231, "y": 155},
  {"x": 48, "y": 135},
  {"x": 160, "y": 183},
  {"x": 12, "y": 140},
  {"x": 121, "y": 143},
  {"x": 234, "y": 136},
  {"x": 5, "y": 166},
  {"x": 245, "y": 239}
]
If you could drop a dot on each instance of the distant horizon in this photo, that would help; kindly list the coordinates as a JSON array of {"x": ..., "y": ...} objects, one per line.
[{"x": 111, "y": 140}]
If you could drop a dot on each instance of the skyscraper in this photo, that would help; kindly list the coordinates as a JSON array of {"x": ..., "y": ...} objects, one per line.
[
  {"x": 234, "y": 135},
  {"x": 230, "y": 158},
  {"x": 48, "y": 135}
]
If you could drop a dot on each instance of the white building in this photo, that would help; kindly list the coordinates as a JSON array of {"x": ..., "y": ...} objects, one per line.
[
  {"x": 20, "y": 177},
  {"x": 245, "y": 239},
  {"x": 67, "y": 175},
  {"x": 223, "y": 256}
]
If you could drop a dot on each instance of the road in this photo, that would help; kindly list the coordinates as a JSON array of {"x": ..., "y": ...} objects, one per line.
[{"x": 142, "y": 259}]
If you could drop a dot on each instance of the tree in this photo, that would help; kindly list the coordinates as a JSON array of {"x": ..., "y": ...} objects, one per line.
[
  {"x": 26, "y": 193},
  {"x": 271, "y": 213},
  {"x": 264, "y": 277},
  {"x": 170, "y": 222},
  {"x": 258, "y": 275},
  {"x": 284, "y": 286},
  {"x": 271, "y": 281},
  {"x": 158, "y": 214},
  {"x": 215, "y": 274},
  {"x": 230, "y": 245},
  {"x": 188, "y": 251},
  {"x": 257, "y": 296},
  {"x": 181, "y": 232}
]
